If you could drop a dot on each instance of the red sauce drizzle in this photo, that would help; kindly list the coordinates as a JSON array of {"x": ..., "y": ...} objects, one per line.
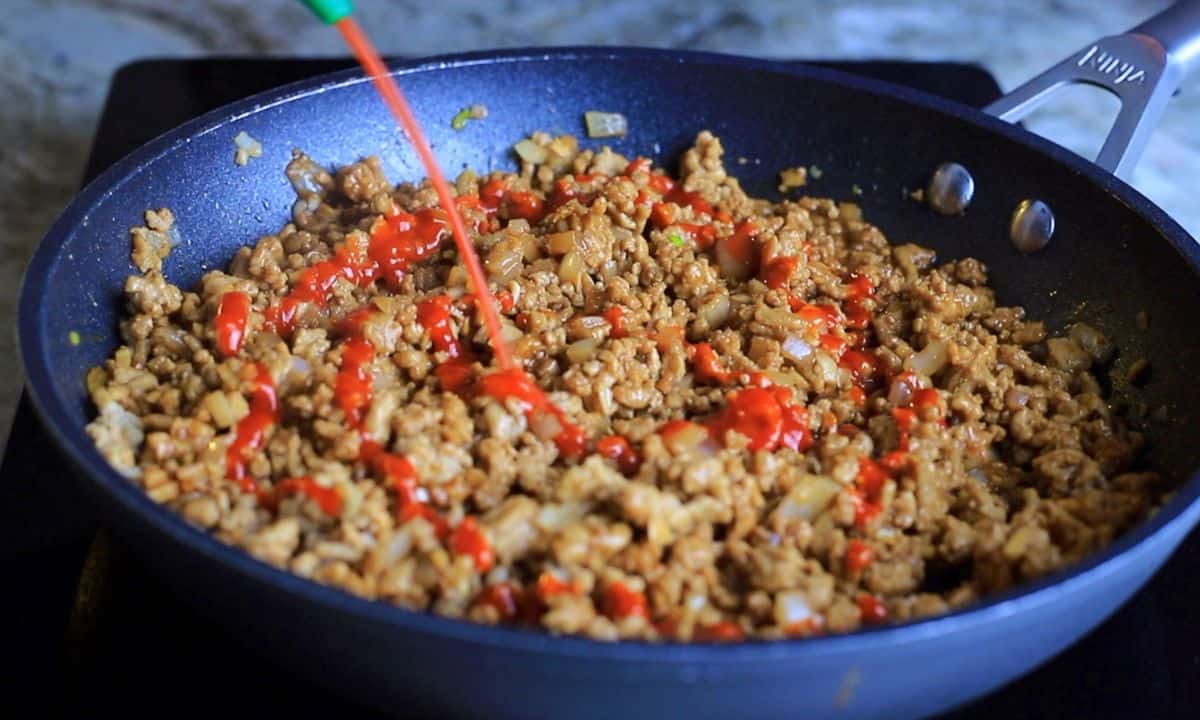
[
  {"x": 778, "y": 272},
  {"x": 455, "y": 375},
  {"x": 434, "y": 315},
  {"x": 804, "y": 628},
  {"x": 930, "y": 398},
  {"x": 868, "y": 492},
  {"x": 864, "y": 367},
  {"x": 741, "y": 246},
  {"x": 921, "y": 402},
  {"x": 620, "y": 601},
  {"x": 707, "y": 366},
  {"x": 468, "y": 539},
  {"x": 660, "y": 183},
  {"x": 495, "y": 195},
  {"x": 662, "y": 214},
  {"x": 411, "y": 511},
  {"x": 723, "y": 631},
  {"x": 353, "y": 385},
  {"x": 767, "y": 417},
  {"x": 704, "y": 236},
  {"x": 618, "y": 449},
  {"x": 397, "y": 242},
  {"x": 823, "y": 318},
  {"x": 503, "y": 384},
  {"x": 503, "y": 597},
  {"x": 835, "y": 345},
  {"x": 906, "y": 422},
  {"x": 251, "y": 431},
  {"x": 683, "y": 198},
  {"x": 506, "y": 301},
  {"x": 233, "y": 311},
  {"x": 859, "y": 292},
  {"x": 354, "y": 322},
  {"x": 615, "y": 316},
  {"x": 353, "y": 393},
  {"x": 895, "y": 462},
  {"x": 858, "y": 556},
  {"x": 396, "y": 469},
  {"x": 328, "y": 499},
  {"x": 872, "y": 610},
  {"x": 565, "y": 191},
  {"x": 549, "y": 585}
]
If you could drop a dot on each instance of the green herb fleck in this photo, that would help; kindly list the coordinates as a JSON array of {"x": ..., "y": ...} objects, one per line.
[
  {"x": 815, "y": 172},
  {"x": 467, "y": 114},
  {"x": 73, "y": 337},
  {"x": 856, "y": 190},
  {"x": 676, "y": 239},
  {"x": 461, "y": 119}
]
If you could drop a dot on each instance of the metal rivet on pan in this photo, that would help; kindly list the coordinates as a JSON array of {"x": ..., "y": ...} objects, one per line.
[
  {"x": 1032, "y": 226},
  {"x": 950, "y": 189}
]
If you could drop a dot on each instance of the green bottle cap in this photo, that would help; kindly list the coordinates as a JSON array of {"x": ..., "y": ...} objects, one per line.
[{"x": 330, "y": 11}]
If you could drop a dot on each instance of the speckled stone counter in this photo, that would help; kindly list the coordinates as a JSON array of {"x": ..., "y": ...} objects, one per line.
[{"x": 58, "y": 56}]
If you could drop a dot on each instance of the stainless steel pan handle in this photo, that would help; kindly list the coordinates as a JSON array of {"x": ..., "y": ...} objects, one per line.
[{"x": 1143, "y": 68}]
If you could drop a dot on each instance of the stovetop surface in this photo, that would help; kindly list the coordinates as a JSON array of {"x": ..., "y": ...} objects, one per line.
[{"x": 133, "y": 647}]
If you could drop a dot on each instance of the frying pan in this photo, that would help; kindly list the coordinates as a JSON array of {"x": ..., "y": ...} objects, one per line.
[{"x": 1113, "y": 255}]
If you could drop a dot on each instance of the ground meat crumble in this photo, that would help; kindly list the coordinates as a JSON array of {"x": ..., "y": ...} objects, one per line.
[{"x": 792, "y": 426}]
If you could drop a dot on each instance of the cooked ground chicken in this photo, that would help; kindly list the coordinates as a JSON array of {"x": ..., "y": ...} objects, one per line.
[{"x": 785, "y": 425}]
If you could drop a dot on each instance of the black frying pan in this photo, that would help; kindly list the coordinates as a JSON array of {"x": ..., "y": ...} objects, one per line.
[{"x": 1113, "y": 255}]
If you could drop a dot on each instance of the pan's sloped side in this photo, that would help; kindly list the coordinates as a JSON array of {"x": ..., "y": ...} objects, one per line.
[{"x": 1114, "y": 256}]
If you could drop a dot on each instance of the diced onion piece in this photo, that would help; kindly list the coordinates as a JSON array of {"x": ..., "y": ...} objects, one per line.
[
  {"x": 570, "y": 268},
  {"x": 561, "y": 243},
  {"x": 807, "y": 498},
  {"x": 791, "y": 608},
  {"x": 554, "y": 517},
  {"x": 457, "y": 277},
  {"x": 608, "y": 163},
  {"x": 792, "y": 178},
  {"x": 564, "y": 146},
  {"x": 715, "y": 311},
  {"x": 399, "y": 546},
  {"x": 900, "y": 394},
  {"x": 1067, "y": 354},
  {"x": 529, "y": 151},
  {"x": 509, "y": 332},
  {"x": 545, "y": 425},
  {"x": 582, "y": 350},
  {"x": 795, "y": 348},
  {"x": 605, "y": 124},
  {"x": 1093, "y": 341},
  {"x": 785, "y": 379},
  {"x": 504, "y": 262},
  {"x": 825, "y": 369},
  {"x": 732, "y": 261},
  {"x": 247, "y": 147},
  {"x": 218, "y": 407},
  {"x": 931, "y": 359},
  {"x": 307, "y": 177},
  {"x": 684, "y": 437},
  {"x": 850, "y": 212}
]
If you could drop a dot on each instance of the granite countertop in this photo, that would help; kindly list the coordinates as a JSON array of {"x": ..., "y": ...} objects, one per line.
[{"x": 58, "y": 56}]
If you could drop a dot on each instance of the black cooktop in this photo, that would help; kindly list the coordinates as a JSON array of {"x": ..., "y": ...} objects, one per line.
[{"x": 92, "y": 641}]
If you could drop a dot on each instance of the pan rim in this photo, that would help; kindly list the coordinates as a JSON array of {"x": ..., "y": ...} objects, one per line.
[{"x": 1181, "y": 509}]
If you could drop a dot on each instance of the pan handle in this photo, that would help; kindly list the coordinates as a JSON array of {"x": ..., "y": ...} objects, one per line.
[{"x": 1143, "y": 68}]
